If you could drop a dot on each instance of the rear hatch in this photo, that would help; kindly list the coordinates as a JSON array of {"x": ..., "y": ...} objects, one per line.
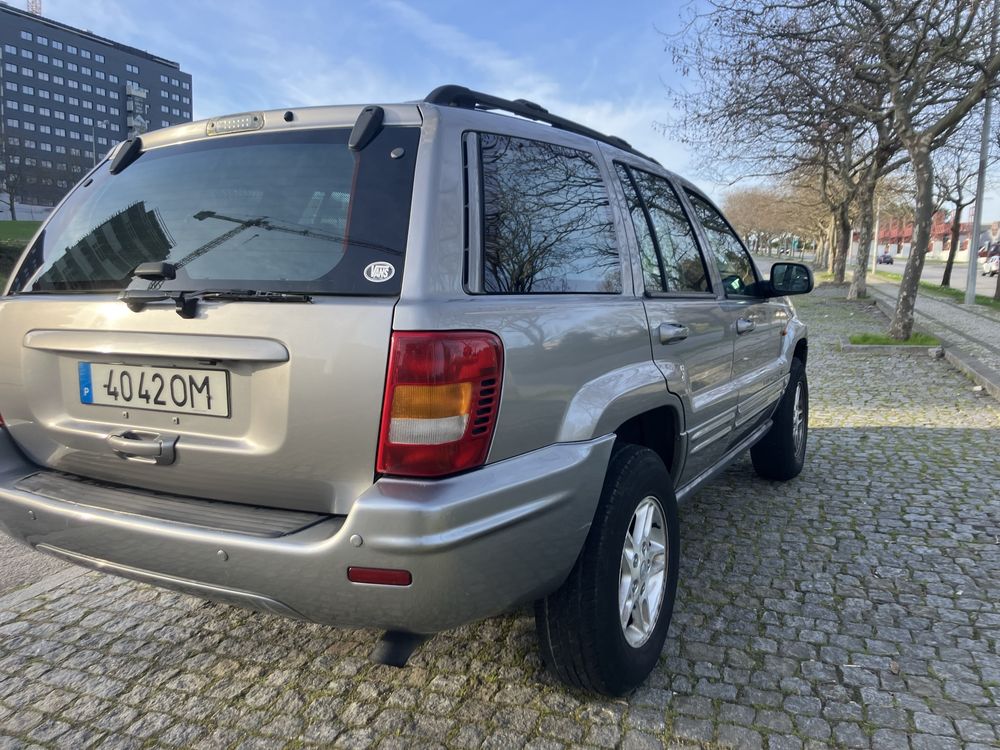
[{"x": 251, "y": 367}]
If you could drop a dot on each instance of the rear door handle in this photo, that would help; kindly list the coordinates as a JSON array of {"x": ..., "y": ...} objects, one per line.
[
  {"x": 671, "y": 333},
  {"x": 744, "y": 325},
  {"x": 145, "y": 447}
]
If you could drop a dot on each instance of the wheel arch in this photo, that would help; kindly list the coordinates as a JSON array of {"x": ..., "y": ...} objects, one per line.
[
  {"x": 659, "y": 430},
  {"x": 801, "y": 351}
]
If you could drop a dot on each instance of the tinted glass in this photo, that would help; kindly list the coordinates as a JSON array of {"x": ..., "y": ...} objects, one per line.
[
  {"x": 681, "y": 267},
  {"x": 292, "y": 211},
  {"x": 652, "y": 273},
  {"x": 547, "y": 224},
  {"x": 734, "y": 262}
]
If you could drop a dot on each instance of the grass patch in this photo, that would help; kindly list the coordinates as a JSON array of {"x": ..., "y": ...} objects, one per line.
[
  {"x": 826, "y": 278},
  {"x": 916, "y": 339},
  {"x": 14, "y": 235},
  {"x": 17, "y": 232}
]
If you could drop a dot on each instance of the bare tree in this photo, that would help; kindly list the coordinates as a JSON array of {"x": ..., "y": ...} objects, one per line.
[
  {"x": 841, "y": 85},
  {"x": 12, "y": 176},
  {"x": 939, "y": 59},
  {"x": 955, "y": 170},
  {"x": 777, "y": 91}
]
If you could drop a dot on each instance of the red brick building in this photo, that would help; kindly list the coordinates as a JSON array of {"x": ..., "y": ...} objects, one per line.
[{"x": 896, "y": 235}]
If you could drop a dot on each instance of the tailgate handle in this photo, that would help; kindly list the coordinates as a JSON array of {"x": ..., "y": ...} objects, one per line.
[{"x": 144, "y": 447}]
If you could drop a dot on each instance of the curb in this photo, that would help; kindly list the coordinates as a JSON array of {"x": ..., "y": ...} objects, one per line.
[
  {"x": 46, "y": 584},
  {"x": 975, "y": 371},
  {"x": 846, "y": 346},
  {"x": 965, "y": 363}
]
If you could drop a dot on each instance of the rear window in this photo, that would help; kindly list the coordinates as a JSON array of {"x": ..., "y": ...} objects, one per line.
[{"x": 293, "y": 211}]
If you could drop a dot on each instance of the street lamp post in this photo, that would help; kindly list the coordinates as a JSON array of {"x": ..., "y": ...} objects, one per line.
[
  {"x": 93, "y": 136},
  {"x": 977, "y": 219}
]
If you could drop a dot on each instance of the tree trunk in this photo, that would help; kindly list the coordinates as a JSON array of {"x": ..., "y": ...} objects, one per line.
[
  {"x": 838, "y": 264},
  {"x": 923, "y": 169},
  {"x": 956, "y": 226},
  {"x": 996, "y": 292},
  {"x": 828, "y": 243},
  {"x": 859, "y": 279}
]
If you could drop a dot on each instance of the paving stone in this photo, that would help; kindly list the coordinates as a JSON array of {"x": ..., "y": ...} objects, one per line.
[
  {"x": 740, "y": 737},
  {"x": 934, "y": 742},
  {"x": 846, "y": 734},
  {"x": 780, "y": 742},
  {"x": 973, "y": 731},
  {"x": 640, "y": 741},
  {"x": 688, "y": 728},
  {"x": 931, "y": 724},
  {"x": 890, "y": 739}
]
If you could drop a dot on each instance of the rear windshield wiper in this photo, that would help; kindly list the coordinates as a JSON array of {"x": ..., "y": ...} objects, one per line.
[{"x": 186, "y": 303}]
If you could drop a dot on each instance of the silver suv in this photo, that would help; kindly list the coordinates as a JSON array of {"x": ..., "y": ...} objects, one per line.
[{"x": 402, "y": 366}]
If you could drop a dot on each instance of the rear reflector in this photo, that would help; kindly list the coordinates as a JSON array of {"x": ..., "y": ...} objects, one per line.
[
  {"x": 379, "y": 576},
  {"x": 442, "y": 395}
]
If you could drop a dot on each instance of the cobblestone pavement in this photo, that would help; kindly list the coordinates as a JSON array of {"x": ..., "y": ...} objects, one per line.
[
  {"x": 22, "y": 565},
  {"x": 856, "y": 606},
  {"x": 976, "y": 332}
]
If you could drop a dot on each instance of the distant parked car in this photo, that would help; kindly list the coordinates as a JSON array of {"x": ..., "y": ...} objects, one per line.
[{"x": 884, "y": 258}]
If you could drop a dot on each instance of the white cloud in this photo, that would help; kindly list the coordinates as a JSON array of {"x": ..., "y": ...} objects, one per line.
[{"x": 507, "y": 75}]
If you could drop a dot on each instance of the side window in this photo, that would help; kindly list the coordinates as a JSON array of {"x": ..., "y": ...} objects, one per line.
[
  {"x": 652, "y": 271},
  {"x": 735, "y": 266},
  {"x": 547, "y": 223},
  {"x": 683, "y": 264},
  {"x": 671, "y": 261}
]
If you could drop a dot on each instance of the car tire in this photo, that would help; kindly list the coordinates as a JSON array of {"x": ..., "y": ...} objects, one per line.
[
  {"x": 580, "y": 632},
  {"x": 781, "y": 453}
]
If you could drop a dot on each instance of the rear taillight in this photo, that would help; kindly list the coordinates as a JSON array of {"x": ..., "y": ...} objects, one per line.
[{"x": 442, "y": 393}]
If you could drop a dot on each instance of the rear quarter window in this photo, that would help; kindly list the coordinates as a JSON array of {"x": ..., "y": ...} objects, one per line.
[{"x": 547, "y": 222}]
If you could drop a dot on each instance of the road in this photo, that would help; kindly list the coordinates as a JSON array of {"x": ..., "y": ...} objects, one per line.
[{"x": 934, "y": 272}]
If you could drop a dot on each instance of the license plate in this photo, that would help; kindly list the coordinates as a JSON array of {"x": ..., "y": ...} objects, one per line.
[{"x": 173, "y": 389}]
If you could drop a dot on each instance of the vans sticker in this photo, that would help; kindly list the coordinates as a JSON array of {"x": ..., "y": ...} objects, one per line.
[{"x": 379, "y": 271}]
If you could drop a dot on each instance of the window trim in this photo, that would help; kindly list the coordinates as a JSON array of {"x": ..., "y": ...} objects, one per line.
[
  {"x": 695, "y": 229},
  {"x": 475, "y": 283},
  {"x": 690, "y": 194}
]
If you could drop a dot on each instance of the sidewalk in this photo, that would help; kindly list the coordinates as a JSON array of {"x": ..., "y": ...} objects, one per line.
[{"x": 970, "y": 336}]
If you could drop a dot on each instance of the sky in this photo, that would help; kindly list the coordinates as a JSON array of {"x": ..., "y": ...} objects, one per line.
[{"x": 603, "y": 65}]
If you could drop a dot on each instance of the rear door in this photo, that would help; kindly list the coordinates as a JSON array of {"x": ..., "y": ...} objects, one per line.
[
  {"x": 690, "y": 334},
  {"x": 758, "y": 323},
  {"x": 269, "y": 402}
]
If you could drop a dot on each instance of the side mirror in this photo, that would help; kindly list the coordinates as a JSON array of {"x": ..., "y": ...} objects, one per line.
[{"x": 790, "y": 278}]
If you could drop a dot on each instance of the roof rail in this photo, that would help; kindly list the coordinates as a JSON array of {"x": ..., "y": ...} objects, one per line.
[{"x": 452, "y": 95}]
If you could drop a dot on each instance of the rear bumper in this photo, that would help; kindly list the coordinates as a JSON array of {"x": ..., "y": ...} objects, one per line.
[{"x": 476, "y": 544}]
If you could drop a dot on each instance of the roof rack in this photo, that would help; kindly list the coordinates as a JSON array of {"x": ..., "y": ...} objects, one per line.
[{"x": 452, "y": 95}]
